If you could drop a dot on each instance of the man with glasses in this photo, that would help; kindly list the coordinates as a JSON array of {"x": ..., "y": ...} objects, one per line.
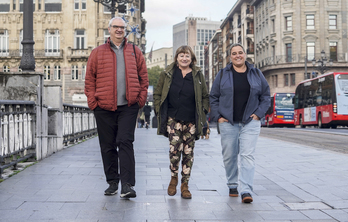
[{"x": 116, "y": 87}]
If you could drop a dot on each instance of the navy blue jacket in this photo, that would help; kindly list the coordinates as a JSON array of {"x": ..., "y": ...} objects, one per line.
[{"x": 221, "y": 95}]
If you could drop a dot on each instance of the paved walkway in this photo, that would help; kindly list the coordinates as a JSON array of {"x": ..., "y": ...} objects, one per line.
[{"x": 292, "y": 183}]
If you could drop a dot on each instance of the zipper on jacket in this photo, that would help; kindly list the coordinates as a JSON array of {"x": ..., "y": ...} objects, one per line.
[{"x": 248, "y": 98}]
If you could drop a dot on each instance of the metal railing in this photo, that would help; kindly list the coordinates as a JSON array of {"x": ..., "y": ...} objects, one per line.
[
  {"x": 37, "y": 53},
  {"x": 17, "y": 132},
  {"x": 78, "y": 123}
]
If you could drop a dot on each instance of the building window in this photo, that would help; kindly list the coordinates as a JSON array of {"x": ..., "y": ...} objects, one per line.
[
  {"x": 310, "y": 22},
  {"x": 288, "y": 49},
  {"x": 333, "y": 51},
  {"x": 84, "y": 71},
  {"x": 4, "y": 6},
  {"x": 52, "y": 42},
  {"x": 47, "y": 72},
  {"x": 307, "y": 75},
  {"x": 273, "y": 26},
  {"x": 79, "y": 39},
  {"x": 310, "y": 51},
  {"x": 77, "y": 4},
  {"x": 275, "y": 80},
  {"x": 83, "y": 4},
  {"x": 6, "y": 68},
  {"x": 106, "y": 35},
  {"x": 292, "y": 79},
  {"x": 332, "y": 21},
  {"x": 74, "y": 72},
  {"x": 288, "y": 23},
  {"x": 53, "y": 5},
  {"x": 4, "y": 43},
  {"x": 286, "y": 79},
  {"x": 57, "y": 73}
]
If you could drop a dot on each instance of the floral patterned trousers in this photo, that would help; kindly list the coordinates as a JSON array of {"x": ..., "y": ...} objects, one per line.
[{"x": 181, "y": 136}]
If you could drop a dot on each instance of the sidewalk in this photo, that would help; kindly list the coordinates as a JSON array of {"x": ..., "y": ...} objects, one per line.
[{"x": 292, "y": 183}]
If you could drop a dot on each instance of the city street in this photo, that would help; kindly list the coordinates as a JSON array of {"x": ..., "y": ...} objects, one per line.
[{"x": 293, "y": 182}]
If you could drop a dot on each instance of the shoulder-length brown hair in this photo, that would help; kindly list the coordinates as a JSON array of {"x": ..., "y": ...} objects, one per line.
[{"x": 186, "y": 49}]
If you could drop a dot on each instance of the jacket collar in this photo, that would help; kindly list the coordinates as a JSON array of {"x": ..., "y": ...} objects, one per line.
[
  {"x": 250, "y": 66},
  {"x": 170, "y": 69},
  {"x": 109, "y": 42}
]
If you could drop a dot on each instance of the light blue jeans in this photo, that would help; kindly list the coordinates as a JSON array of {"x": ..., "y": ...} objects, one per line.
[{"x": 239, "y": 140}]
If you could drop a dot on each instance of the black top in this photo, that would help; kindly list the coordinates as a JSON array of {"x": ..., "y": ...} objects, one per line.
[
  {"x": 181, "y": 97},
  {"x": 241, "y": 91},
  {"x": 147, "y": 110}
]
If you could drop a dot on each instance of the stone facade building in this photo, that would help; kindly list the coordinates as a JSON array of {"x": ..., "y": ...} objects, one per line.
[
  {"x": 65, "y": 32},
  {"x": 160, "y": 57},
  {"x": 284, "y": 37},
  {"x": 290, "y": 34}
]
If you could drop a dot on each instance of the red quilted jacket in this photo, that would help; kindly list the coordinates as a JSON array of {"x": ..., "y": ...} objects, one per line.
[{"x": 100, "y": 82}]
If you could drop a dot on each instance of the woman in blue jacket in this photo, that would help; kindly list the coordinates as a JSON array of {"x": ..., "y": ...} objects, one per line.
[{"x": 239, "y": 98}]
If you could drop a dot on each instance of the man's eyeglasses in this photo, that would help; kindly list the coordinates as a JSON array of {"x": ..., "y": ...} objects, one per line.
[{"x": 118, "y": 27}]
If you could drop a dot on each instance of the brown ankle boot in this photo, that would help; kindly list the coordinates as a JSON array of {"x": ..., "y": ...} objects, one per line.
[
  {"x": 172, "y": 186},
  {"x": 185, "y": 193}
]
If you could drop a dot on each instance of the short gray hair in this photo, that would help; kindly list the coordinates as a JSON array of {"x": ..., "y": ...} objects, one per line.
[
  {"x": 119, "y": 18},
  {"x": 235, "y": 45}
]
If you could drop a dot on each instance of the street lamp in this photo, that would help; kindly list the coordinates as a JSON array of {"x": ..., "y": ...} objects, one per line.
[
  {"x": 111, "y": 5},
  {"x": 321, "y": 67}
]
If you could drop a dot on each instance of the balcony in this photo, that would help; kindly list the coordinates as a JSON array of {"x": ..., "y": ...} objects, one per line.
[
  {"x": 250, "y": 31},
  {"x": 297, "y": 58},
  {"x": 38, "y": 53},
  {"x": 250, "y": 51},
  {"x": 77, "y": 54}
]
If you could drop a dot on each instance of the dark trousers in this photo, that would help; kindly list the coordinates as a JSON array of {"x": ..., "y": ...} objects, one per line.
[{"x": 116, "y": 130}]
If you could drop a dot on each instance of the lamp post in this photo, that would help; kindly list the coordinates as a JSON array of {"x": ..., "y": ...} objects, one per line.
[
  {"x": 28, "y": 61},
  {"x": 111, "y": 5},
  {"x": 321, "y": 67}
]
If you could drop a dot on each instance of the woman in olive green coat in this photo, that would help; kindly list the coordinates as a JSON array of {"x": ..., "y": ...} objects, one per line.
[{"x": 181, "y": 102}]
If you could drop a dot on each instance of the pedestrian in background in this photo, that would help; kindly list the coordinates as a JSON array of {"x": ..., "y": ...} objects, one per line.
[
  {"x": 239, "y": 98},
  {"x": 181, "y": 101},
  {"x": 116, "y": 87},
  {"x": 147, "y": 112}
]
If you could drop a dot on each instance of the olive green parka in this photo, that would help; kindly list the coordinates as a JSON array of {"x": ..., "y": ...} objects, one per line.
[{"x": 161, "y": 102}]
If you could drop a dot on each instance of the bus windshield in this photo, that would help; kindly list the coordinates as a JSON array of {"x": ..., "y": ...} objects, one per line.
[
  {"x": 343, "y": 83},
  {"x": 284, "y": 101}
]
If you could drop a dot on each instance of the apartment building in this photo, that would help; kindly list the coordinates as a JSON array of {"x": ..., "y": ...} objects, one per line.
[
  {"x": 65, "y": 32},
  {"x": 238, "y": 27},
  {"x": 213, "y": 58},
  {"x": 195, "y": 32},
  {"x": 289, "y": 39},
  {"x": 290, "y": 34}
]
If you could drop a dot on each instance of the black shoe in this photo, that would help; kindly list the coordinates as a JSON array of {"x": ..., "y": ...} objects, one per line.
[
  {"x": 246, "y": 198},
  {"x": 112, "y": 190},
  {"x": 128, "y": 191},
  {"x": 233, "y": 192}
]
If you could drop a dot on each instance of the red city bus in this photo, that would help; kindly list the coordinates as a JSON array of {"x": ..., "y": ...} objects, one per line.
[
  {"x": 281, "y": 111},
  {"x": 322, "y": 101}
]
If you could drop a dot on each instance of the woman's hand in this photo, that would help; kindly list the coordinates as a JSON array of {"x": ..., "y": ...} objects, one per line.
[
  {"x": 221, "y": 120},
  {"x": 255, "y": 117}
]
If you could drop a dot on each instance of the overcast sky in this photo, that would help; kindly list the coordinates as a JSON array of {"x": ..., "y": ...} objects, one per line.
[{"x": 161, "y": 15}]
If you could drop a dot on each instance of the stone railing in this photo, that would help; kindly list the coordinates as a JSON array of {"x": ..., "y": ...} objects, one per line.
[
  {"x": 34, "y": 121},
  {"x": 78, "y": 123},
  {"x": 17, "y": 132}
]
